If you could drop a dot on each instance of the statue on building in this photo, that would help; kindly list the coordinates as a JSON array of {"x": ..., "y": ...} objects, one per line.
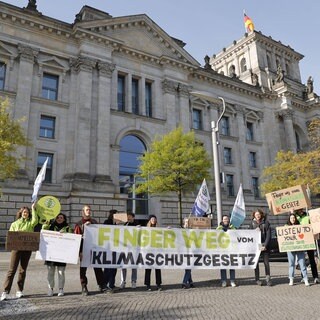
[
  {"x": 32, "y": 5},
  {"x": 232, "y": 72},
  {"x": 310, "y": 85},
  {"x": 280, "y": 74},
  {"x": 254, "y": 79},
  {"x": 207, "y": 62}
]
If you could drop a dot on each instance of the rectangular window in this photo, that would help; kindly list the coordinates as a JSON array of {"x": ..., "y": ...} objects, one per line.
[
  {"x": 250, "y": 136},
  {"x": 47, "y": 127},
  {"x": 227, "y": 155},
  {"x": 196, "y": 119},
  {"x": 255, "y": 187},
  {"x": 121, "y": 93},
  {"x": 41, "y": 159},
  {"x": 225, "y": 126},
  {"x": 50, "y": 86},
  {"x": 148, "y": 99},
  {"x": 135, "y": 96},
  {"x": 2, "y": 75},
  {"x": 252, "y": 159},
  {"x": 230, "y": 185}
]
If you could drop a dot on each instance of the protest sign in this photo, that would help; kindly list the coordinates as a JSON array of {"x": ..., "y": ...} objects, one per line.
[
  {"x": 155, "y": 248},
  {"x": 48, "y": 208},
  {"x": 284, "y": 200},
  {"x": 24, "y": 241},
  {"x": 199, "y": 223},
  {"x": 314, "y": 215},
  {"x": 295, "y": 238},
  {"x": 59, "y": 247},
  {"x": 120, "y": 217}
]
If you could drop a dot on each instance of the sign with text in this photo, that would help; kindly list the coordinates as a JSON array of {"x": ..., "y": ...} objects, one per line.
[
  {"x": 22, "y": 241},
  {"x": 120, "y": 217},
  {"x": 59, "y": 247},
  {"x": 295, "y": 238},
  {"x": 199, "y": 223},
  {"x": 163, "y": 248},
  {"x": 314, "y": 215},
  {"x": 284, "y": 200}
]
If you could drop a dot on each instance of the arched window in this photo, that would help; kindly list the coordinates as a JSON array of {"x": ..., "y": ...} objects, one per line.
[
  {"x": 298, "y": 141},
  {"x": 131, "y": 149},
  {"x": 243, "y": 65}
]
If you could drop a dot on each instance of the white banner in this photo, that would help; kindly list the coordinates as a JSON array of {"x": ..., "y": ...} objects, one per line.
[
  {"x": 202, "y": 204},
  {"x": 59, "y": 247},
  {"x": 163, "y": 248}
]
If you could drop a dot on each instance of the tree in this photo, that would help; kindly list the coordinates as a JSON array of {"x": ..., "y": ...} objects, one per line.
[
  {"x": 292, "y": 169},
  {"x": 11, "y": 136},
  {"x": 177, "y": 162}
]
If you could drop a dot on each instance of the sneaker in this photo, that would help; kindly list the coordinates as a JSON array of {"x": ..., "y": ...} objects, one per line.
[
  {"x": 306, "y": 282},
  {"x": 259, "y": 282},
  {"x": 85, "y": 291},
  {"x": 223, "y": 284},
  {"x": 122, "y": 285},
  {"x": 148, "y": 288},
  {"x": 19, "y": 294},
  {"x": 50, "y": 292},
  {"x": 233, "y": 284},
  {"x": 291, "y": 282},
  {"x": 4, "y": 296},
  {"x": 60, "y": 293},
  {"x": 159, "y": 288},
  {"x": 316, "y": 280},
  {"x": 133, "y": 285}
]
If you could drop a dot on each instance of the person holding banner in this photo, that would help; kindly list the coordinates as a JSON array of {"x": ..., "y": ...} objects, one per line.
[
  {"x": 260, "y": 223},
  {"x": 152, "y": 223},
  {"x": 303, "y": 218},
  {"x": 26, "y": 220},
  {"x": 79, "y": 229},
  {"x": 59, "y": 225},
  {"x": 296, "y": 255},
  {"x": 225, "y": 226}
]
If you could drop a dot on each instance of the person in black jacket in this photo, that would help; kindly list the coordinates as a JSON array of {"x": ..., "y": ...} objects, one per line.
[{"x": 259, "y": 222}]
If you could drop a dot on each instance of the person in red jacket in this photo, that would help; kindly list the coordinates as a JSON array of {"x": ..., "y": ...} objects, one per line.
[{"x": 79, "y": 229}]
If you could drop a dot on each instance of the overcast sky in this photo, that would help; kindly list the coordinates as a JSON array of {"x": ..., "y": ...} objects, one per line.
[{"x": 209, "y": 25}]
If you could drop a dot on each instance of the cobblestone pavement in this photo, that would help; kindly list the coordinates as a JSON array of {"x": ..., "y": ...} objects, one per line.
[{"x": 207, "y": 301}]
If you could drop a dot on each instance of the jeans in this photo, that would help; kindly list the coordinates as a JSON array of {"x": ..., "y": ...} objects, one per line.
[
  {"x": 61, "y": 277},
  {"x": 187, "y": 279},
  {"x": 124, "y": 275},
  {"x": 223, "y": 274},
  {"x": 265, "y": 255},
  {"x": 110, "y": 277},
  {"x": 313, "y": 264},
  {"x": 292, "y": 255}
]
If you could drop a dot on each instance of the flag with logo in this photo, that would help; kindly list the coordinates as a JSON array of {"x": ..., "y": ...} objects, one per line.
[
  {"x": 201, "y": 205},
  {"x": 248, "y": 23},
  {"x": 238, "y": 214},
  {"x": 38, "y": 182}
]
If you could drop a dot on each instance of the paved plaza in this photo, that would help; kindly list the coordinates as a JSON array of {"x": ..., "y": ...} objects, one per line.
[{"x": 206, "y": 301}]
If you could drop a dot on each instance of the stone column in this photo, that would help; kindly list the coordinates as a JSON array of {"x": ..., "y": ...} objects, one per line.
[
  {"x": 287, "y": 116},
  {"x": 103, "y": 124},
  {"x": 169, "y": 89},
  {"x": 184, "y": 112}
]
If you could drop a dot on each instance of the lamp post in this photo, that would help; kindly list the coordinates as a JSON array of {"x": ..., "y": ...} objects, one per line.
[{"x": 215, "y": 136}]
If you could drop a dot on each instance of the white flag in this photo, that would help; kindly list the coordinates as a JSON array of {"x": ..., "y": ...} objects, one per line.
[
  {"x": 201, "y": 205},
  {"x": 37, "y": 184},
  {"x": 238, "y": 214}
]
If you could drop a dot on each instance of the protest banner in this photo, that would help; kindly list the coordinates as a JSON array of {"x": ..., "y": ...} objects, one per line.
[
  {"x": 59, "y": 247},
  {"x": 295, "y": 238},
  {"x": 284, "y": 200},
  {"x": 48, "y": 208},
  {"x": 314, "y": 215},
  {"x": 199, "y": 223},
  {"x": 24, "y": 241},
  {"x": 163, "y": 248}
]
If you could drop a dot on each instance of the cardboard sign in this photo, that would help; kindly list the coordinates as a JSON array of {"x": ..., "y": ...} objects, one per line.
[
  {"x": 120, "y": 217},
  {"x": 22, "y": 241},
  {"x": 284, "y": 200},
  {"x": 295, "y": 238},
  {"x": 315, "y": 220},
  {"x": 199, "y": 223},
  {"x": 48, "y": 208}
]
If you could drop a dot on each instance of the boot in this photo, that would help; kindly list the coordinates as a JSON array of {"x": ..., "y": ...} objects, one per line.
[{"x": 85, "y": 291}]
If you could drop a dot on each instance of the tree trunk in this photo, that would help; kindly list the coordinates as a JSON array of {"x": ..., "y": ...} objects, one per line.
[{"x": 180, "y": 207}]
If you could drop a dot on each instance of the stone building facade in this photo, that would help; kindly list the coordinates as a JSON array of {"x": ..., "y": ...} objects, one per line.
[{"x": 95, "y": 93}]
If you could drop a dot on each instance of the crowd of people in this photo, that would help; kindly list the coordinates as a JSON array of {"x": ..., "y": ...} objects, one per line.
[{"x": 27, "y": 219}]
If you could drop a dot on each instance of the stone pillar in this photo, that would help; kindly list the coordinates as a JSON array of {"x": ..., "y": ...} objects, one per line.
[
  {"x": 103, "y": 123},
  {"x": 169, "y": 89},
  {"x": 287, "y": 116},
  {"x": 184, "y": 112}
]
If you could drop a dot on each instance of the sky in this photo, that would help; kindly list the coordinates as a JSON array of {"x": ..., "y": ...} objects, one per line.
[{"x": 207, "y": 26}]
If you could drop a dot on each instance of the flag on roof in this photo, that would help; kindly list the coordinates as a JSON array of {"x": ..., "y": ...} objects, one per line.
[{"x": 248, "y": 23}]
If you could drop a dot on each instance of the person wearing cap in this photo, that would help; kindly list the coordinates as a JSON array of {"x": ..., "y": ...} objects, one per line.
[
  {"x": 303, "y": 218},
  {"x": 131, "y": 222},
  {"x": 152, "y": 223}
]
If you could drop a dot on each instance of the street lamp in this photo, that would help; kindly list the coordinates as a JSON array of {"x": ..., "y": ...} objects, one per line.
[{"x": 215, "y": 135}]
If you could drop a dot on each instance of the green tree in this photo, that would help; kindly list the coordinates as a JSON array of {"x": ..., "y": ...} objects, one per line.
[
  {"x": 176, "y": 162},
  {"x": 292, "y": 169},
  {"x": 11, "y": 136}
]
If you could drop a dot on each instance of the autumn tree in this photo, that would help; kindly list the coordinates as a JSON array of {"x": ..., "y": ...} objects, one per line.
[
  {"x": 176, "y": 162},
  {"x": 11, "y": 136},
  {"x": 292, "y": 169}
]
